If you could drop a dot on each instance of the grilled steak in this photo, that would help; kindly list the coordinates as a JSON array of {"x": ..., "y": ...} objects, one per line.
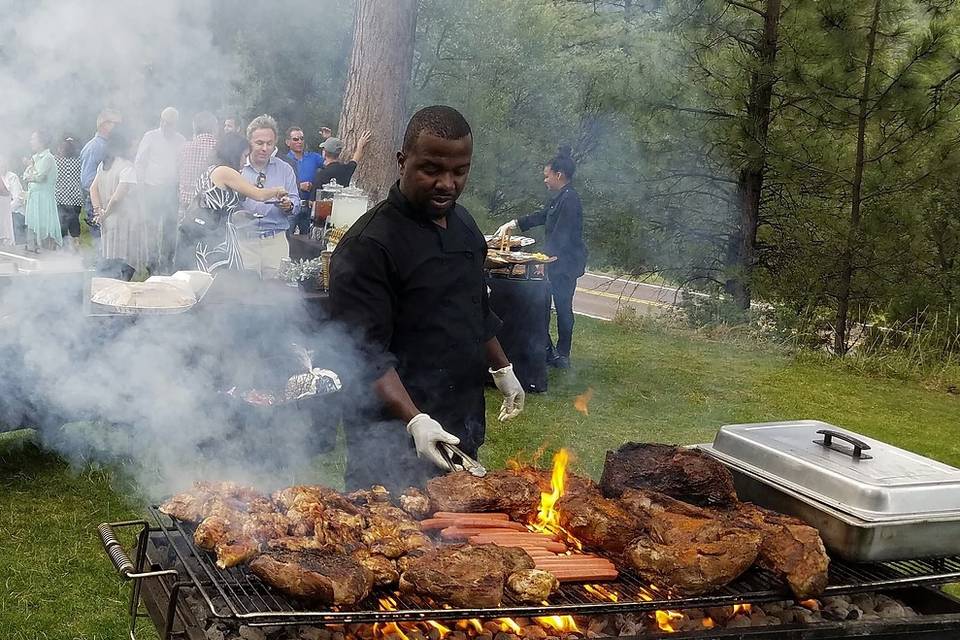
[
  {"x": 790, "y": 548},
  {"x": 502, "y": 491},
  {"x": 781, "y": 544},
  {"x": 464, "y": 575},
  {"x": 599, "y": 522},
  {"x": 316, "y": 575},
  {"x": 687, "y": 550},
  {"x": 681, "y": 473}
]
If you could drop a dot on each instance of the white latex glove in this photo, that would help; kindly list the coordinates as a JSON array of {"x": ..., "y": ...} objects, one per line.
[
  {"x": 426, "y": 433},
  {"x": 506, "y": 228},
  {"x": 512, "y": 390}
]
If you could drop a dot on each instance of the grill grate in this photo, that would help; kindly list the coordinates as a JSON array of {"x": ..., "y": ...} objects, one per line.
[{"x": 238, "y": 594}]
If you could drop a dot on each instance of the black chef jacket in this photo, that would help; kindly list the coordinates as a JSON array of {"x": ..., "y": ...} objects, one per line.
[
  {"x": 416, "y": 294},
  {"x": 562, "y": 219}
]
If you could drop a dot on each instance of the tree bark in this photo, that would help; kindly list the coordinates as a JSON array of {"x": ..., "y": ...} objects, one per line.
[
  {"x": 840, "y": 345},
  {"x": 741, "y": 251},
  {"x": 376, "y": 95}
]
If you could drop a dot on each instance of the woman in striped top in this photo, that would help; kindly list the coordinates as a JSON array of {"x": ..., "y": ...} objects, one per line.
[{"x": 220, "y": 191}]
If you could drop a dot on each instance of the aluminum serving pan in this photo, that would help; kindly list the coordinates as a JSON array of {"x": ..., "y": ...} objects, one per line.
[{"x": 869, "y": 500}]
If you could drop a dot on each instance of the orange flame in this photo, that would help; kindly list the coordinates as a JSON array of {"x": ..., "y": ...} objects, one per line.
[
  {"x": 708, "y": 623},
  {"x": 601, "y": 591},
  {"x": 665, "y": 620},
  {"x": 564, "y": 624},
  {"x": 548, "y": 518},
  {"x": 388, "y": 629},
  {"x": 509, "y": 624},
  {"x": 582, "y": 402},
  {"x": 812, "y": 605},
  {"x": 741, "y": 608},
  {"x": 439, "y": 627}
]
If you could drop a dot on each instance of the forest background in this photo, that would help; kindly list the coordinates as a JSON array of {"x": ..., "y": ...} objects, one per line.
[{"x": 800, "y": 154}]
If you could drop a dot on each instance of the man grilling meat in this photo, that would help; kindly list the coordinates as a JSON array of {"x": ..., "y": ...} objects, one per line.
[{"x": 409, "y": 276}]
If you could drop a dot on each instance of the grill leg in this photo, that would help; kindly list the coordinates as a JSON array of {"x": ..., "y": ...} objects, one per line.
[
  {"x": 171, "y": 610},
  {"x": 139, "y": 564}
]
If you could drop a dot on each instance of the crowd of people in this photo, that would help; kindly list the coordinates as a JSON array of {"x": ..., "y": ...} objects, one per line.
[{"x": 156, "y": 201}]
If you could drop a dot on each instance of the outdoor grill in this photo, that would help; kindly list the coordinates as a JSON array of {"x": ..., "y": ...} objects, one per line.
[{"x": 166, "y": 561}]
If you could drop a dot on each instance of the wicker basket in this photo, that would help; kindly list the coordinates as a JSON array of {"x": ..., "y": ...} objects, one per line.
[{"x": 325, "y": 261}]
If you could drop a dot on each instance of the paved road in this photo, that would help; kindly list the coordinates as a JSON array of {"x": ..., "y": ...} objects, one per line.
[{"x": 601, "y": 297}]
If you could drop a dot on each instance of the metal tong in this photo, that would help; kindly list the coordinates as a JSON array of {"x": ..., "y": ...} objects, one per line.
[{"x": 452, "y": 453}]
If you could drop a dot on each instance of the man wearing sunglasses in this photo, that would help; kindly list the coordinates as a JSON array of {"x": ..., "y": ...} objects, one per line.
[
  {"x": 305, "y": 164},
  {"x": 263, "y": 242}
]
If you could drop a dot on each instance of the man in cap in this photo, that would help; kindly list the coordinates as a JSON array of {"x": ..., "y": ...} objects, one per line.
[
  {"x": 333, "y": 168},
  {"x": 408, "y": 277},
  {"x": 157, "y": 179}
]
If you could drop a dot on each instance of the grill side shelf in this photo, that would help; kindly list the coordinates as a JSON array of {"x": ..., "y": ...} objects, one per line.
[{"x": 248, "y": 599}]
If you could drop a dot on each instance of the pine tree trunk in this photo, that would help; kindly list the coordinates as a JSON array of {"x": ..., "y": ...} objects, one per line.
[
  {"x": 376, "y": 95},
  {"x": 840, "y": 345},
  {"x": 741, "y": 251}
]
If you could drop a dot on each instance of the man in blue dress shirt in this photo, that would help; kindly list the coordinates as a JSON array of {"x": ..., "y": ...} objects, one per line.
[
  {"x": 263, "y": 242},
  {"x": 90, "y": 158},
  {"x": 305, "y": 163}
]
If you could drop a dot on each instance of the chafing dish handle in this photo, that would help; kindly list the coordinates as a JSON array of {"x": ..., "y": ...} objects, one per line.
[
  {"x": 859, "y": 446},
  {"x": 118, "y": 556}
]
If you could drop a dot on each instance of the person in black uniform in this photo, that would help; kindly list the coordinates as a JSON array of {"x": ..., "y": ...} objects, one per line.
[
  {"x": 563, "y": 222},
  {"x": 408, "y": 277}
]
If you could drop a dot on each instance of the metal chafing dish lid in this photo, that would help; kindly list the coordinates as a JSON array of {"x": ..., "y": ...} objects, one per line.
[{"x": 855, "y": 474}]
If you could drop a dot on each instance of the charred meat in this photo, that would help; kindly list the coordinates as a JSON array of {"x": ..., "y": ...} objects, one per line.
[
  {"x": 501, "y": 491},
  {"x": 681, "y": 473},
  {"x": 464, "y": 575},
  {"x": 781, "y": 544},
  {"x": 697, "y": 566},
  {"x": 315, "y": 575},
  {"x": 790, "y": 548},
  {"x": 598, "y": 522}
]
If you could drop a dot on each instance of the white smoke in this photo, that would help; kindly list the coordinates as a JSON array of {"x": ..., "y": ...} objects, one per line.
[{"x": 145, "y": 392}]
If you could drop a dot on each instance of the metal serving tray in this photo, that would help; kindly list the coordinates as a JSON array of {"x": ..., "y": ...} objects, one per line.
[{"x": 869, "y": 500}]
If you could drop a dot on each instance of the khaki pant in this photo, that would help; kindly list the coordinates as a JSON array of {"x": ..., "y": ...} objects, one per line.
[{"x": 263, "y": 255}]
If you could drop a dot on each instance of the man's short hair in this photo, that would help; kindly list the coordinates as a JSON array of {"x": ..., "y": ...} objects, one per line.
[
  {"x": 292, "y": 129},
  {"x": 205, "y": 122},
  {"x": 262, "y": 122},
  {"x": 108, "y": 115},
  {"x": 442, "y": 121}
]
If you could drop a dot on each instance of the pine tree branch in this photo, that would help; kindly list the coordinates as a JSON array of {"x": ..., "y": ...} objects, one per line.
[{"x": 759, "y": 12}]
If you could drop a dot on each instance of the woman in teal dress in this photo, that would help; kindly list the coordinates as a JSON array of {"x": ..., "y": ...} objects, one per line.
[{"x": 42, "y": 219}]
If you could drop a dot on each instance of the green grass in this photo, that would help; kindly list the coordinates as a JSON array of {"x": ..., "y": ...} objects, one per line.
[
  {"x": 649, "y": 384},
  {"x": 652, "y": 384},
  {"x": 57, "y": 582}
]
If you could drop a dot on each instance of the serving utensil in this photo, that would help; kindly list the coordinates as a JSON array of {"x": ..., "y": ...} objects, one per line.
[{"x": 450, "y": 453}]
